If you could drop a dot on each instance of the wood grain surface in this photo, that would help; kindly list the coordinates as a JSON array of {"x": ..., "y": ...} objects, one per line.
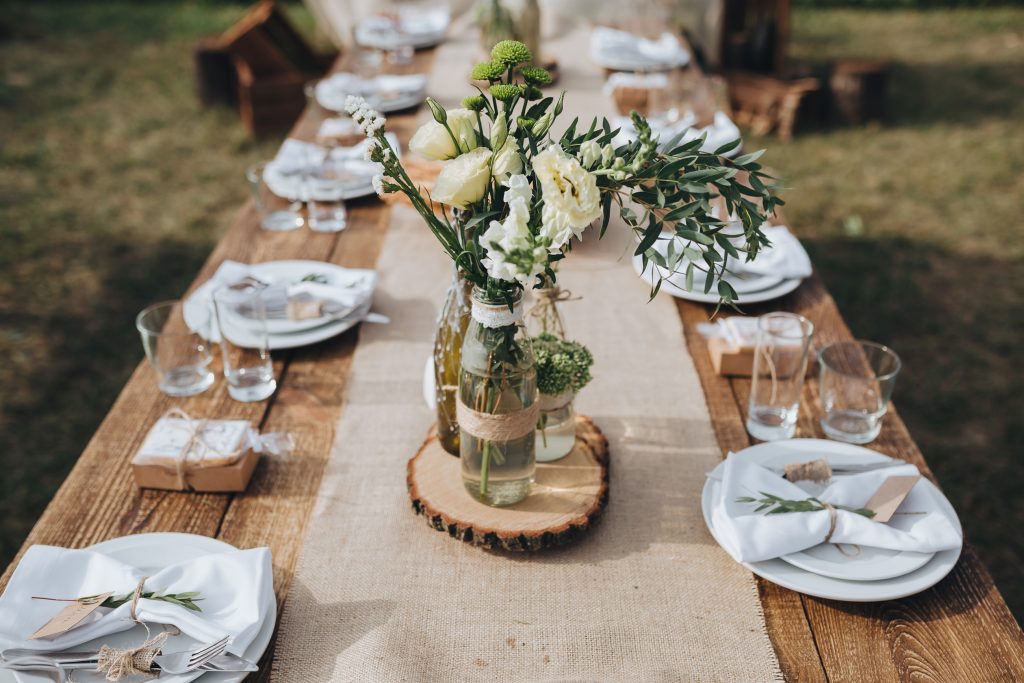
[
  {"x": 568, "y": 496},
  {"x": 960, "y": 630}
]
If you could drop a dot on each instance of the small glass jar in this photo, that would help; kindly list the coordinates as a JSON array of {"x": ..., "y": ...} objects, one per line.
[
  {"x": 556, "y": 427},
  {"x": 497, "y": 407},
  {"x": 451, "y": 330},
  {"x": 544, "y": 316}
]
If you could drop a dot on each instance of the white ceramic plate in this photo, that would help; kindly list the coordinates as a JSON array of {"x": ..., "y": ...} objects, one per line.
[
  {"x": 795, "y": 578},
  {"x": 154, "y": 552},
  {"x": 770, "y": 292}
]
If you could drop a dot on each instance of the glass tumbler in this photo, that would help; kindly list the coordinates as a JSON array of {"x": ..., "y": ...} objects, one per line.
[
  {"x": 276, "y": 213},
  {"x": 242, "y": 323},
  {"x": 326, "y": 189},
  {"x": 780, "y": 363},
  {"x": 180, "y": 357},
  {"x": 857, "y": 379}
]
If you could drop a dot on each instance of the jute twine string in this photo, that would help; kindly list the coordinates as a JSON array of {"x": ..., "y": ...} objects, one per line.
[
  {"x": 833, "y": 518},
  {"x": 501, "y": 427},
  {"x": 116, "y": 663},
  {"x": 195, "y": 430},
  {"x": 815, "y": 470}
]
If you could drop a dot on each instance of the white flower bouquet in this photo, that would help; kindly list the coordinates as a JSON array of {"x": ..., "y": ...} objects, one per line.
[
  {"x": 506, "y": 205},
  {"x": 511, "y": 196}
]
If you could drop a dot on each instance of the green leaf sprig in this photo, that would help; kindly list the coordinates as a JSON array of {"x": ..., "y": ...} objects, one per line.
[
  {"x": 776, "y": 505},
  {"x": 187, "y": 600}
]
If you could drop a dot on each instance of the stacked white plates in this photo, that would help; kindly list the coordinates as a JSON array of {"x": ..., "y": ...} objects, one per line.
[
  {"x": 283, "y": 333},
  {"x": 870, "y": 575},
  {"x": 303, "y": 170},
  {"x": 751, "y": 288},
  {"x": 385, "y": 93},
  {"x": 152, "y": 553}
]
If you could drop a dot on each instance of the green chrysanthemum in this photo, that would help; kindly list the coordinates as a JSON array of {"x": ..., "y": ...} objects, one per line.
[
  {"x": 504, "y": 91},
  {"x": 511, "y": 52},
  {"x": 487, "y": 71},
  {"x": 536, "y": 75},
  {"x": 532, "y": 92},
  {"x": 474, "y": 102},
  {"x": 525, "y": 123}
]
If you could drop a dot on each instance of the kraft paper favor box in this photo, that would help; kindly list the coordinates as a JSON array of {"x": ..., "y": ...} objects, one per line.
[
  {"x": 182, "y": 454},
  {"x": 731, "y": 346}
]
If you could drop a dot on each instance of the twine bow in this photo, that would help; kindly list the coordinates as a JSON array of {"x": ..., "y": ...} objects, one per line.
[
  {"x": 116, "y": 663},
  {"x": 833, "y": 518},
  {"x": 195, "y": 430}
]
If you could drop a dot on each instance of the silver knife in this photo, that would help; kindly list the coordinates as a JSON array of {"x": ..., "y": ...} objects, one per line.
[{"x": 25, "y": 659}]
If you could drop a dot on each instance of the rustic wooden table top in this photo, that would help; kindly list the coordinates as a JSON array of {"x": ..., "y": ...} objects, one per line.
[{"x": 959, "y": 630}]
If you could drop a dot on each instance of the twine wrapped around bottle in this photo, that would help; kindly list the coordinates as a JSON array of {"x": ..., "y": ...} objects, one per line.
[{"x": 498, "y": 427}]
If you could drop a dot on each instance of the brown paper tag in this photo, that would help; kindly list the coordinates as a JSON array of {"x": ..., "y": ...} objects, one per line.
[
  {"x": 69, "y": 617},
  {"x": 890, "y": 495}
]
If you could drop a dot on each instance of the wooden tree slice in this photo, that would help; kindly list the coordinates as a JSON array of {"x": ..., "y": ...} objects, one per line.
[{"x": 566, "y": 498}]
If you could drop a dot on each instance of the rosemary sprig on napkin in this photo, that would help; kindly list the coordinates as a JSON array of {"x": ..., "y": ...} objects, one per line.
[
  {"x": 781, "y": 505},
  {"x": 187, "y": 600}
]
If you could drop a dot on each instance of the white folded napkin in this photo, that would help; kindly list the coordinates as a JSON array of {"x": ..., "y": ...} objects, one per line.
[
  {"x": 285, "y": 178},
  {"x": 786, "y": 258},
  {"x": 416, "y": 26},
  {"x": 754, "y": 536},
  {"x": 352, "y": 286},
  {"x": 625, "y": 79},
  {"x": 721, "y": 131},
  {"x": 332, "y": 92},
  {"x": 236, "y": 589},
  {"x": 620, "y": 49}
]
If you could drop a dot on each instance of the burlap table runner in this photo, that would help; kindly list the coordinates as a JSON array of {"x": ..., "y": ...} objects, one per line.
[{"x": 646, "y": 596}]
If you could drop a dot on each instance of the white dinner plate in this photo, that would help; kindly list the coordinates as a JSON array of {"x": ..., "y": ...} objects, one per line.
[
  {"x": 773, "y": 289},
  {"x": 789, "y": 575},
  {"x": 151, "y": 553}
]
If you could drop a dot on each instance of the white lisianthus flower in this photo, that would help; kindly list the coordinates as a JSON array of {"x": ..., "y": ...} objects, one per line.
[
  {"x": 463, "y": 180},
  {"x": 512, "y": 251},
  {"x": 572, "y": 200},
  {"x": 507, "y": 160},
  {"x": 590, "y": 153},
  {"x": 432, "y": 141}
]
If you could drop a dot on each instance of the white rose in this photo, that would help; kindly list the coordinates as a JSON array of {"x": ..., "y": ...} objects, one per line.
[
  {"x": 590, "y": 153},
  {"x": 432, "y": 141},
  {"x": 463, "y": 180},
  {"x": 571, "y": 197},
  {"x": 507, "y": 160}
]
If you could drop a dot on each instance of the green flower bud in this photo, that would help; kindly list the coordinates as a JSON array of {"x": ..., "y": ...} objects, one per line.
[
  {"x": 607, "y": 154},
  {"x": 558, "y": 104},
  {"x": 619, "y": 164},
  {"x": 440, "y": 115},
  {"x": 487, "y": 71},
  {"x": 499, "y": 133},
  {"x": 505, "y": 92},
  {"x": 511, "y": 52},
  {"x": 474, "y": 103},
  {"x": 536, "y": 75},
  {"x": 543, "y": 123},
  {"x": 532, "y": 92},
  {"x": 525, "y": 123}
]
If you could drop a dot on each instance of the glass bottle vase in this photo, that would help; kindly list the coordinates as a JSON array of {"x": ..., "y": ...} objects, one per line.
[
  {"x": 451, "y": 330},
  {"x": 497, "y": 407},
  {"x": 544, "y": 316}
]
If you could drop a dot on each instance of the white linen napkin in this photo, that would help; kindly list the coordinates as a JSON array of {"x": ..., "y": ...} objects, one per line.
[
  {"x": 786, "y": 258},
  {"x": 754, "y": 536},
  {"x": 354, "y": 286},
  {"x": 284, "y": 174},
  {"x": 620, "y": 49},
  {"x": 236, "y": 589}
]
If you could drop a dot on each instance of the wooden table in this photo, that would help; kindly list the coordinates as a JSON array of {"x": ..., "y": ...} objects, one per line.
[{"x": 959, "y": 630}]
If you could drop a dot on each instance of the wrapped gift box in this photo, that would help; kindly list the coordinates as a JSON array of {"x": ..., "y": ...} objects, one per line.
[
  {"x": 732, "y": 346},
  {"x": 182, "y": 454}
]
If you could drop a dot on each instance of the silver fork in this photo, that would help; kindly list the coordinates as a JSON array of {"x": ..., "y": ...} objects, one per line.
[{"x": 173, "y": 663}]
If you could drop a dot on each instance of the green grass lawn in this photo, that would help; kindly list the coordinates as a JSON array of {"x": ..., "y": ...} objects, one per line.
[{"x": 115, "y": 185}]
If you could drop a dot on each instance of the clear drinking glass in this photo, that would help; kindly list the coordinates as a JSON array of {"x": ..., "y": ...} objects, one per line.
[
  {"x": 180, "y": 357},
  {"x": 242, "y": 322},
  {"x": 857, "y": 379},
  {"x": 276, "y": 213},
  {"x": 780, "y": 363},
  {"x": 325, "y": 205}
]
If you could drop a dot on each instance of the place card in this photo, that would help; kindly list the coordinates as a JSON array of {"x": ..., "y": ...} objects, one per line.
[
  {"x": 890, "y": 496},
  {"x": 69, "y": 617}
]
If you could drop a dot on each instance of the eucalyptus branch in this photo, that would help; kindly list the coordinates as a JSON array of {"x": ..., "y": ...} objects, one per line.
[{"x": 776, "y": 505}]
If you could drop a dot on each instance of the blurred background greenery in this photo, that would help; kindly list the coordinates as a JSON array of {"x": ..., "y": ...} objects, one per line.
[{"x": 115, "y": 185}]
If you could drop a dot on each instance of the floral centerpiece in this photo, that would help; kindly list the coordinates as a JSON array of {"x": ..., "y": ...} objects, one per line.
[{"x": 508, "y": 201}]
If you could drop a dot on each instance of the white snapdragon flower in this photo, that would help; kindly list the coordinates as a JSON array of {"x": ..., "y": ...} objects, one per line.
[
  {"x": 572, "y": 200},
  {"x": 590, "y": 153},
  {"x": 512, "y": 251}
]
